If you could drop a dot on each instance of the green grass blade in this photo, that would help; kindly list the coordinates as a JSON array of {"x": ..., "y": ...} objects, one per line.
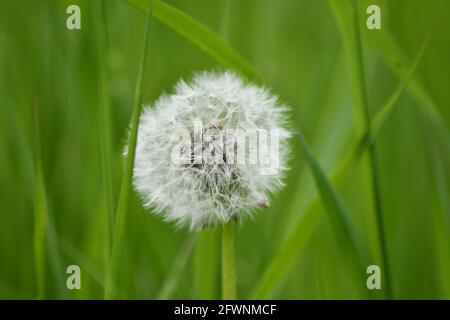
[
  {"x": 104, "y": 131},
  {"x": 40, "y": 231},
  {"x": 345, "y": 232},
  {"x": 286, "y": 256},
  {"x": 178, "y": 266},
  {"x": 344, "y": 17},
  {"x": 346, "y": 13},
  {"x": 125, "y": 189},
  {"x": 200, "y": 35},
  {"x": 395, "y": 58},
  {"x": 57, "y": 268},
  {"x": 40, "y": 209},
  {"x": 383, "y": 114},
  {"x": 338, "y": 214},
  {"x": 206, "y": 265},
  {"x": 86, "y": 265},
  {"x": 441, "y": 215},
  {"x": 105, "y": 121}
]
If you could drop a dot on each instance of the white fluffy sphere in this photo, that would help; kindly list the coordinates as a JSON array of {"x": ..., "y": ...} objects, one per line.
[{"x": 204, "y": 122}]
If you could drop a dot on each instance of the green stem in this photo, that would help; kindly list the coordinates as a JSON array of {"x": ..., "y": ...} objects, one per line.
[
  {"x": 228, "y": 263},
  {"x": 40, "y": 208},
  {"x": 105, "y": 123},
  {"x": 364, "y": 105},
  {"x": 125, "y": 187}
]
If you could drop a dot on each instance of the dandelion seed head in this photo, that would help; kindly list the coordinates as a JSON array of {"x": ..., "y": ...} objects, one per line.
[{"x": 217, "y": 188}]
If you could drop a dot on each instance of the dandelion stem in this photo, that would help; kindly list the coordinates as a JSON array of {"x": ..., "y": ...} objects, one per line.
[{"x": 228, "y": 263}]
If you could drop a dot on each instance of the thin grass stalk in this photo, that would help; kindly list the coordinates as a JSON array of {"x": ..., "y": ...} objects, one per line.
[
  {"x": 386, "y": 109},
  {"x": 40, "y": 209},
  {"x": 125, "y": 189},
  {"x": 40, "y": 234},
  {"x": 105, "y": 120},
  {"x": 206, "y": 264},
  {"x": 199, "y": 35},
  {"x": 174, "y": 275},
  {"x": 441, "y": 215},
  {"x": 345, "y": 230},
  {"x": 362, "y": 101},
  {"x": 106, "y": 223},
  {"x": 391, "y": 53}
]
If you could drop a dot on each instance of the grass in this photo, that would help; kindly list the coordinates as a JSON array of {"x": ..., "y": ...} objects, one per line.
[
  {"x": 199, "y": 35},
  {"x": 104, "y": 133},
  {"x": 122, "y": 207},
  {"x": 173, "y": 277},
  {"x": 64, "y": 213},
  {"x": 357, "y": 70},
  {"x": 283, "y": 262},
  {"x": 40, "y": 210},
  {"x": 228, "y": 262},
  {"x": 206, "y": 265}
]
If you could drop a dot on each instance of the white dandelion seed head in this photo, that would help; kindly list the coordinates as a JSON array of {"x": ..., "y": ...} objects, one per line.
[{"x": 217, "y": 187}]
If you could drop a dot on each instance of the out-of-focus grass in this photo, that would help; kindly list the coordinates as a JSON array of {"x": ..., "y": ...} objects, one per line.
[
  {"x": 348, "y": 19},
  {"x": 126, "y": 186},
  {"x": 199, "y": 35},
  {"x": 40, "y": 210},
  {"x": 297, "y": 49}
]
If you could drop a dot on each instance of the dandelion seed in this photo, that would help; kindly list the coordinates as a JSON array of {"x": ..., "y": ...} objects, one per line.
[{"x": 222, "y": 170}]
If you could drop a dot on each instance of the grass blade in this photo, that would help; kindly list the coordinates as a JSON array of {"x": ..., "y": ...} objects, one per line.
[
  {"x": 105, "y": 121},
  {"x": 125, "y": 189},
  {"x": 40, "y": 241},
  {"x": 200, "y": 35},
  {"x": 40, "y": 218},
  {"x": 337, "y": 211},
  {"x": 286, "y": 256},
  {"x": 206, "y": 264},
  {"x": 347, "y": 16},
  {"x": 380, "y": 118},
  {"x": 383, "y": 114},
  {"x": 394, "y": 57},
  {"x": 44, "y": 241},
  {"x": 283, "y": 262},
  {"x": 40, "y": 232},
  {"x": 86, "y": 265},
  {"x": 441, "y": 215},
  {"x": 174, "y": 274},
  {"x": 106, "y": 221}
]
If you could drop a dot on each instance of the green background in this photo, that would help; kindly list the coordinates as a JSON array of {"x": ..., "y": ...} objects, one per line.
[{"x": 57, "y": 87}]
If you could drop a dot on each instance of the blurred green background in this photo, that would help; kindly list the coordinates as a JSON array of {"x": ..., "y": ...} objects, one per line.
[{"x": 57, "y": 87}]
